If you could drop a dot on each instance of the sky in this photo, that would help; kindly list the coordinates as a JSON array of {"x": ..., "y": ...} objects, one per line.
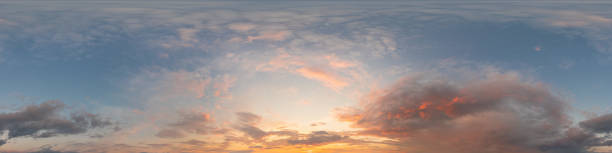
[{"x": 335, "y": 76}]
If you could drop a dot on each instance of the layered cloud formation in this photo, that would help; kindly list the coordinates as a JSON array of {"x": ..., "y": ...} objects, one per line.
[
  {"x": 497, "y": 112},
  {"x": 268, "y": 76}
]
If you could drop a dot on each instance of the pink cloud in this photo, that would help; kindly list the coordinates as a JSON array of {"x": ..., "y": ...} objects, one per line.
[
  {"x": 329, "y": 79},
  {"x": 272, "y": 36},
  {"x": 336, "y": 62},
  {"x": 282, "y": 61}
]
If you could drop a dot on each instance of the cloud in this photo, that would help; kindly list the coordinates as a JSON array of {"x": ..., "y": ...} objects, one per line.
[
  {"x": 270, "y": 36},
  {"x": 493, "y": 112},
  {"x": 188, "y": 35},
  {"x": 317, "y": 138},
  {"x": 248, "y": 118},
  {"x": 44, "y": 120},
  {"x": 283, "y": 61},
  {"x": 601, "y": 124},
  {"x": 190, "y": 123},
  {"x": 241, "y": 27},
  {"x": 336, "y": 62},
  {"x": 195, "y": 142},
  {"x": 258, "y": 139},
  {"x": 576, "y": 19},
  {"x": 170, "y": 134},
  {"x": 318, "y": 124},
  {"x": 165, "y": 85},
  {"x": 247, "y": 123},
  {"x": 223, "y": 85},
  {"x": 329, "y": 79},
  {"x": 49, "y": 149},
  {"x": 330, "y": 70}
]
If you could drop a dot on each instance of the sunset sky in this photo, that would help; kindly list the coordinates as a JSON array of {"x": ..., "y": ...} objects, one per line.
[{"x": 274, "y": 76}]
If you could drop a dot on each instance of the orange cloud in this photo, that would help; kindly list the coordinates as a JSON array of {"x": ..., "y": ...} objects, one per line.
[
  {"x": 335, "y": 62},
  {"x": 329, "y": 79},
  {"x": 499, "y": 112}
]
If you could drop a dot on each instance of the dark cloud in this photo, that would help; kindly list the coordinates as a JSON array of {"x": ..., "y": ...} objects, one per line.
[
  {"x": 44, "y": 120},
  {"x": 317, "y": 138},
  {"x": 494, "y": 113},
  {"x": 247, "y": 124},
  {"x": 190, "y": 122},
  {"x": 601, "y": 124}
]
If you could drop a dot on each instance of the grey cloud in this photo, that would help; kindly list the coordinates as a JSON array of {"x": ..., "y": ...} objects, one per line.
[
  {"x": 190, "y": 122},
  {"x": 252, "y": 131},
  {"x": 44, "y": 120},
  {"x": 195, "y": 142},
  {"x": 248, "y": 118},
  {"x": 317, "y": 138},
  {"x": 247, "y": 124},
  {"x": 601, "y": 124},
  {"x": 170, "y": 133}
]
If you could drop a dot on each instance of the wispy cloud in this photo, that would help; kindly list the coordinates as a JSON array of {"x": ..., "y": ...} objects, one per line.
[
  {"x": 329, "y": 79},
  {"x": 271, "y": 36}
]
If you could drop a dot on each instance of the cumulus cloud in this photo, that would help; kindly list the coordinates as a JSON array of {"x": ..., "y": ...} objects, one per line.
[
  {"x": 44, "y": 120},
  {"x": 495, "y": 112}
]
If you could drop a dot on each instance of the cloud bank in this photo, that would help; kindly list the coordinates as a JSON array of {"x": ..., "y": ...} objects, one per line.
[{"x": 493, "y": 113}]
